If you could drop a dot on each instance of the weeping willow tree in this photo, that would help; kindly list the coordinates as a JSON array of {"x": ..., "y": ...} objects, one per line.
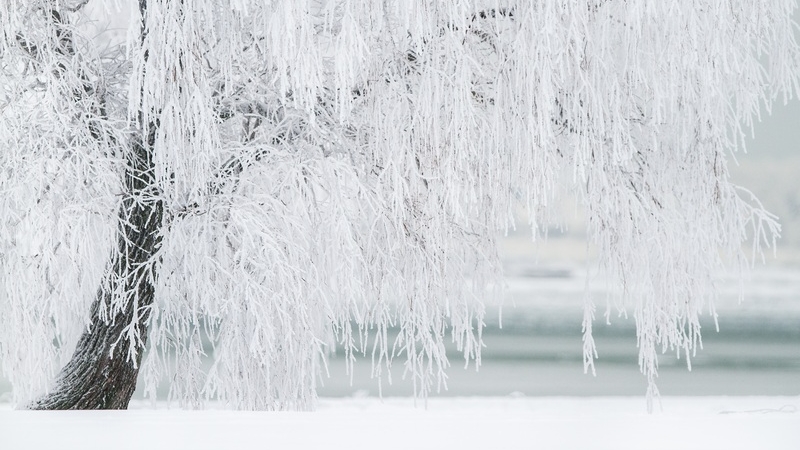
[{"x": 281, "y": 177}]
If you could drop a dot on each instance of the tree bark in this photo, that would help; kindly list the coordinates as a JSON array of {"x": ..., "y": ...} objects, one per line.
[{"x": 103, "y": 370}]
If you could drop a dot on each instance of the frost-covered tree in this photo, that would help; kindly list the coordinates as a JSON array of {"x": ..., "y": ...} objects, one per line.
[{"x": 280, "y": 177}]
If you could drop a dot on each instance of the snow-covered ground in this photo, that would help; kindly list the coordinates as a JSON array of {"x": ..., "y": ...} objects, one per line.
[{"x": 455, "y": 423}]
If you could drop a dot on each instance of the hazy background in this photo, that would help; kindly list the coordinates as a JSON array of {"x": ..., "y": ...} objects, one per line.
[{"x": 539, "y": 349}]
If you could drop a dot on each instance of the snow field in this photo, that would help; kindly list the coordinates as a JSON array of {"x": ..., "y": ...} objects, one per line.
[{"x": 395, "y": 423}]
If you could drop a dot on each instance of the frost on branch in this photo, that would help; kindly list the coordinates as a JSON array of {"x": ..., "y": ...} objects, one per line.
[{"x": 333, "y": 169}]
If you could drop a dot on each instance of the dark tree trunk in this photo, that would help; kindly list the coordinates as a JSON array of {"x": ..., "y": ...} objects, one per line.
[
  {"x": 103, "y": 369},
  {"x": 101, "y": 375}
]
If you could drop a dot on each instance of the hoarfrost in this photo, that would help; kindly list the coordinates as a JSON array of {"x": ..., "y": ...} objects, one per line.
[{"x": 330, "y": 169}]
